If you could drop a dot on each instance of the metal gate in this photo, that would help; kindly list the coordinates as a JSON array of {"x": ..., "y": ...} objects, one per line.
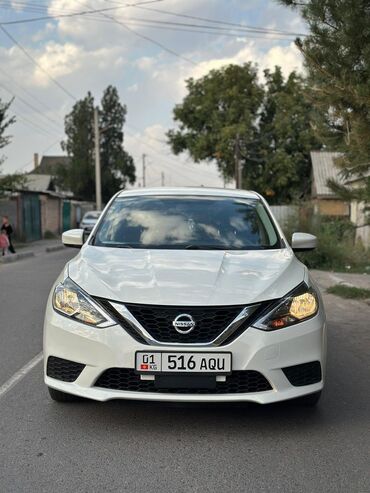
[
  {"x": 31, "y": 217},
  {"x": 66, "y": 215}
]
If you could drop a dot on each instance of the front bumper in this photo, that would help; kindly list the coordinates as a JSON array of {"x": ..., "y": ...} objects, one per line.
[{"x": 264, "y": 352}]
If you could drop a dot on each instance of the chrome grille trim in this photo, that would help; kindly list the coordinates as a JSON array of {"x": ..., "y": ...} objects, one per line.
[{"x": 245, "y": 313}]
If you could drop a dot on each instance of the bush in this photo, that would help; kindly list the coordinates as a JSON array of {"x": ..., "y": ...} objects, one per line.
[{"x": 336, "y": 244}]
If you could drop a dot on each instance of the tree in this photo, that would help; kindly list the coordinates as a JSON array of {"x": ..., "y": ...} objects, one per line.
[
  {"x": 286, "y": 138},
  {"x": 228, "y": 111},
  {"x": 218, "y": 118},
  {"x": 79, "y": 176},
  {"x": 8, "y": 182},
  {"x": 337, "y": 55},
  {"x": 117, "y": 166}
]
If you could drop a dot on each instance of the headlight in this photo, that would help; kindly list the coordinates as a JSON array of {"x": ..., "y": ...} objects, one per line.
[
  {"x": 70, "y": 300},
  {"x": 297, "y": 306}
]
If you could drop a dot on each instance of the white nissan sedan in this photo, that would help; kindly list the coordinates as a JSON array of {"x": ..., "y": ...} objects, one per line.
[{"x": 186, "y": 294}]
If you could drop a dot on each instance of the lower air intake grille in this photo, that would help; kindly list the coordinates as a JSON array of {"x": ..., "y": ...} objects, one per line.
[
  {"x": 239, "y": 382},
  {"x": 305, "y": 374},
  {"x": 63, "y": 369}
]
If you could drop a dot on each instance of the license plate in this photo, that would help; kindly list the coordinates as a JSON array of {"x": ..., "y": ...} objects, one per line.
[{"x": 166, "y": 362}]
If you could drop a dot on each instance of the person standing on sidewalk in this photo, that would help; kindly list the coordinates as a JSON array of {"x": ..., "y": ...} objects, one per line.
[
  {"x": 4, "y": 243},
  {"x": 7, "y": 228}
]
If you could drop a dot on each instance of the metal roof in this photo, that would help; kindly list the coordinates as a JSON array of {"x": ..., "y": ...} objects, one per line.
[
  {"x": 38, "y": 183},
  {"x": 324, "y": 169}
]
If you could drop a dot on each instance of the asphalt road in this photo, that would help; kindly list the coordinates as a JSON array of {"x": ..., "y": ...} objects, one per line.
[{"x": 131, "y": 446}]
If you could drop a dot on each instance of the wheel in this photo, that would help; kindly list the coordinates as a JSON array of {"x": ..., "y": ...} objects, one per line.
[
  {"x": 309, "y": 400},
  {"x": 59, "y": 396}
]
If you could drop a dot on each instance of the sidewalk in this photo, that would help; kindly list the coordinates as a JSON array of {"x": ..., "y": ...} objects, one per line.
[
  {"x": 33, "y": 249},
  {"x": 327, "y": 279}
]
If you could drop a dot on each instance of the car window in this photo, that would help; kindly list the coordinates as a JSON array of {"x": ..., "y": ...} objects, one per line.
[
  {"x": 91, "y": 216},
  {"x": 187, "y": 222}
]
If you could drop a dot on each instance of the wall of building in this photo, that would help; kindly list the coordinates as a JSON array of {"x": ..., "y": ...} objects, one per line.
[
  {"x": 358, "y": 217},
  {"x": 9, "y": 207},
  {"x": 331, "y": 207},
  {"x": 50, "y": 214}
]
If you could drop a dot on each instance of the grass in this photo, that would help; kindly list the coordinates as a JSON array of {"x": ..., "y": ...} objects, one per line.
[{"x": 349, "y": 292}]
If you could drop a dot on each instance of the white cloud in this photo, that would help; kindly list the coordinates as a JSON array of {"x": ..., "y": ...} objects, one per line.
[
  {"x": 58, "y": 60},
  {"x": 287, "y": 57},
  {"x": 133, "y": 88},
  {"x": 177, "y": 170}
]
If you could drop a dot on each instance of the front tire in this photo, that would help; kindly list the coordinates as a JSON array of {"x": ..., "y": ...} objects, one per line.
[
  {"x": 59, "y": 396},
  {"x": 309, "y": 400}
]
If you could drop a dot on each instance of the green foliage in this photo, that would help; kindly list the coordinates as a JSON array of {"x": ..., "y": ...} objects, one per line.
[
  {"x": 337, "y": 55},
  {"x": 10, "y": 183},
  {"x": 336, "y": 248},
  {"x": 5, "y": 122},
  {"x": 286, "y": 139},
  {"x": 271, "y": 122},
  {"x": 117, "y": 166},
  {"x": 79, "y": 176},
  {"x": 350, "y": 292},
  {"x": 218, "y": 108}
]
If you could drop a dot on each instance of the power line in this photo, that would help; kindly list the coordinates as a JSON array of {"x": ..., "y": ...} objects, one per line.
[
  {"x": 147, "y": 38},
  {"x": 13, "y": 81},
  {"x": 164, "y": 25},
  {"x": 25, "y": 52},
  {"x": 169, "y": 165},
  {"x": 72, "y": 13},
  {"x": 42, "y": 153},
  {"x": 33, "y": 108},
  {"x": 217, "y": 21}
]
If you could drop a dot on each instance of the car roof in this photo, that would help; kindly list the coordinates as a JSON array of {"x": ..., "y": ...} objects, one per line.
[{"x": 196, "y": 191}]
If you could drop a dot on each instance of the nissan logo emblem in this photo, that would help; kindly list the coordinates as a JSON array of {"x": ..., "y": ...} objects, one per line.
[{"x": 184, "y": 323}]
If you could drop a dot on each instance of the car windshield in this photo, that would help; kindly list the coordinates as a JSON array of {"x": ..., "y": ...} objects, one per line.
[
  {"x": 91, "y": 216},
  {"x": 187, "y": 222}
]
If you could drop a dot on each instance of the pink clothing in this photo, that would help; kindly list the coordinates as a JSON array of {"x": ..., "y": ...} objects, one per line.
[{"x": 4, "y": 242}]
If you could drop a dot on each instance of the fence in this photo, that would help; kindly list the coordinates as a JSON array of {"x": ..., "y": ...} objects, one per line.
[{"x": 285, "y": 213}]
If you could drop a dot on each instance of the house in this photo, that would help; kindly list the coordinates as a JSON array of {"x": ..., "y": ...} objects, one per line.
[
  {"x": 49, "y": 164},
  {"x": 325, "y": 201}
]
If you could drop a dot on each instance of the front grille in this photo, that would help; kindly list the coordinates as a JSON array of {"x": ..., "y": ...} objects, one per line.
[
  {"x": 304, "y": 374},
  {"x": 210, "y": 321},
  {"x": 121, "y": 320},
  {"x": 239, "y": 382},
  {"x": 63, "y": 369}
]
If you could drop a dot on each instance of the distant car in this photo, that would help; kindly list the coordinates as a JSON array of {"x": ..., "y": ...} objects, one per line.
[
  {"x": 89, "y": 220},
  {"x": 186, "y": 295}
]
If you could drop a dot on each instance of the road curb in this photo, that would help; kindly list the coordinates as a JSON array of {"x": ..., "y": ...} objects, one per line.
[
  {"x": 17, "y": 256},
  {"x": 55, "y": 248}
]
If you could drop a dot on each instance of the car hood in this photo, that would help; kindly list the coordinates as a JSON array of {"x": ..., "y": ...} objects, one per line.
[{"x": 186, "y": 277}]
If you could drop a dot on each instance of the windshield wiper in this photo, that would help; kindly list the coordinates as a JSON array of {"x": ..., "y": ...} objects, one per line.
[{"x": 205, "y": 247}]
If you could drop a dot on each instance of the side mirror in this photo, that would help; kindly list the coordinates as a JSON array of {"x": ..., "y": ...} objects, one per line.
[
  {"x": 303, "y": 242},
  {"x": 73, "y": 238}
]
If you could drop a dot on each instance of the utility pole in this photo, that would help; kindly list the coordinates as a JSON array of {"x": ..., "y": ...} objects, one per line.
[
  {"x": 162, "y": 179},
  {"x": 97, "y": 161},
  {"x": 144, "y": 169}
]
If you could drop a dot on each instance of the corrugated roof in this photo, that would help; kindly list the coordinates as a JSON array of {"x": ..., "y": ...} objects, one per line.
[
  {"x": 38, "y": 183},
  {"x": 324, "y": 169}
]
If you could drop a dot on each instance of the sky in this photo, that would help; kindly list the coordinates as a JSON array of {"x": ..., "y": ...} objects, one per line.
[{"x": 49, "y": 63}]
